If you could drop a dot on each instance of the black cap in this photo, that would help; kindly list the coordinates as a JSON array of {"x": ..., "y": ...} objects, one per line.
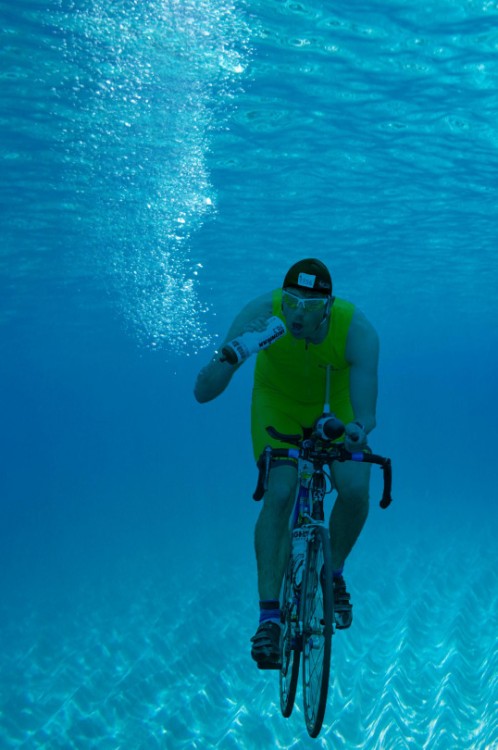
[{"x": 309, "y": 273}]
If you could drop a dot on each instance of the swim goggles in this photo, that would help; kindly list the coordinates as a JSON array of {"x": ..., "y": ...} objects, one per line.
[{"x": 309, "y": 304}]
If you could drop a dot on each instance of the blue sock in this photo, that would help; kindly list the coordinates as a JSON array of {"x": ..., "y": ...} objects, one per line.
[
  {"x": 269, "y": 611},
  {"x": 335, "y": 573}
]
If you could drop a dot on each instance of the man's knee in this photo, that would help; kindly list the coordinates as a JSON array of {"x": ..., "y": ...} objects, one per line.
[
  {"x": 354, "y": 499},
  {"x": 281, "y": 489},
  {"x": 353, "y": 484},
  {"x": 354, "y": 493},
  {"x": 356, "y": 496}
]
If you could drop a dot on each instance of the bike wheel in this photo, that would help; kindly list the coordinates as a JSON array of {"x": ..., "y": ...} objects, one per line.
[
  {"x": 291, "y": 646},
  {"x": 317, "y": 615}
]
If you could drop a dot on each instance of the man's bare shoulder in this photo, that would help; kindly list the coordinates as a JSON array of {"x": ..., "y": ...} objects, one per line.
[
  {"x": 260, "y": 304},
  {"x": 361, "y": 325},
  {"x": 259, "y": 308},
  {"x": 363, "y": 339}
]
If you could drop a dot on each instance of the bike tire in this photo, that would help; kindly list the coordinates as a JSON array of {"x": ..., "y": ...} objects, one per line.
[
  {"x": 317, "y": 618},
  {"x": 291, "y": 644}
]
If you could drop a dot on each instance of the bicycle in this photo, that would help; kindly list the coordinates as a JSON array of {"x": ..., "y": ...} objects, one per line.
[{"x": 307, "y": 598}]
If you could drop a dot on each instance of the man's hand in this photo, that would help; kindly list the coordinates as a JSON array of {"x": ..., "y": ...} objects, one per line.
[{"x": 355, "y": 437}]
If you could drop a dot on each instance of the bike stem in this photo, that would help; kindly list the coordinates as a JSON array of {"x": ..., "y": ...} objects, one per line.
[{"x": 326, "y": 406}]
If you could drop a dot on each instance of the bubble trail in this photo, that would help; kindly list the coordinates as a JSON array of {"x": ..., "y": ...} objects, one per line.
[{"x": 156, "y": 81}]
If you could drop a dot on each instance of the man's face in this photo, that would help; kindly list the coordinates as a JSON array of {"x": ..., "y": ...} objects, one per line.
[{"x": 303, "y": 310}]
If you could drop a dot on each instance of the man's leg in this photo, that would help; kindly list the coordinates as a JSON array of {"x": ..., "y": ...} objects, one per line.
[
  {"x": 272, "y": 538},
  {"x": 350, "y": 511},
  {"x": 272, "y": 542},
  {"x": 346, "y": 522}
]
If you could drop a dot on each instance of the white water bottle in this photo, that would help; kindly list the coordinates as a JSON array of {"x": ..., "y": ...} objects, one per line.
[{"x": 240, "y": 348}]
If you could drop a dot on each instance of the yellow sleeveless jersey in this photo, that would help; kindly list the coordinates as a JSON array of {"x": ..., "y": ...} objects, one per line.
[
  {"x": 289, "y": 379},
  {"x": 296, "y": 370}
]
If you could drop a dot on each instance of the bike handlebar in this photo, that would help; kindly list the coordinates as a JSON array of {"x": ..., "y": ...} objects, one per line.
[{"x": 321, "y": 451}]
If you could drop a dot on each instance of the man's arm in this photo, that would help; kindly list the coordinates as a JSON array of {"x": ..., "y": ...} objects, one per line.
[
  {"x": 362, "y": 352},
  {"x": 214, "y": 378}
]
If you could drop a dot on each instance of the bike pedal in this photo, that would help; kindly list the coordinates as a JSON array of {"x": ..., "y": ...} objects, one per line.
[{"x": 269, "y": 665}]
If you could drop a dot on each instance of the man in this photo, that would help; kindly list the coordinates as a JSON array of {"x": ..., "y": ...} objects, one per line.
[{"x": 289, "y": 393}]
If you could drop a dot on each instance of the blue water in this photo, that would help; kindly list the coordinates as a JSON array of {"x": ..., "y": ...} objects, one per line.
[{"x": 162, "y": 164}]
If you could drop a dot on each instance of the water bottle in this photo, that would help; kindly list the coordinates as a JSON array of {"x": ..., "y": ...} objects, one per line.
[{"x": 239, "y": 349}]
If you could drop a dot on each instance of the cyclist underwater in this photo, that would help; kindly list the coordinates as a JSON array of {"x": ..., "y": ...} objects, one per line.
[{"x": 288, "y": 393}]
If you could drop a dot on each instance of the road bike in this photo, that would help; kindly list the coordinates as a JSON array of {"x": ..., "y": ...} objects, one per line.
[{"x": 307, "y": 597}]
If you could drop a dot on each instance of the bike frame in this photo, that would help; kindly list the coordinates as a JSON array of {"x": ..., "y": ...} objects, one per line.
[{"x": 308, "y": 506}]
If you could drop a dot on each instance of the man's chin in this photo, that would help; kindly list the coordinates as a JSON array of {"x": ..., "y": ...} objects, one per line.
[{"x": 297, "y": 330}]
